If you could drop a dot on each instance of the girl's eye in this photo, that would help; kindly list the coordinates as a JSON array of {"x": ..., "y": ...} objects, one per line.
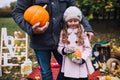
[
  {"x": 73, "y": 20},
  {"x": 70, "y": 21}
]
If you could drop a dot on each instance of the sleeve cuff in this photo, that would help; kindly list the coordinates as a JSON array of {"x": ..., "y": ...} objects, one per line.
[{"x": 63, "y": 51}]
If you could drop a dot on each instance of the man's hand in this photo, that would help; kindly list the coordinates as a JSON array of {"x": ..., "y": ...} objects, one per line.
[
  {"x": 37, "y": 29},
  {"x": 90, "y": 35}
]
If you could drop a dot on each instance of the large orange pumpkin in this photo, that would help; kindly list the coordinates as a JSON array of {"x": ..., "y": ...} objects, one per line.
[{"x": 36, "y": 14}]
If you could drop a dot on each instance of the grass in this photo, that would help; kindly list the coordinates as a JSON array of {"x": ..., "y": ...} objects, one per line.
[{"x": 9, "y": 24}]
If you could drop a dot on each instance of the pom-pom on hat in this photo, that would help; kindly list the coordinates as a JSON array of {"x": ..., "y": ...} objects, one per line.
[{"x": 72, "y": 12}]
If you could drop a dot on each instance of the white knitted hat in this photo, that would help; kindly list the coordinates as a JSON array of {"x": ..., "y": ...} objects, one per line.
[{"x": 72, "y": 12}]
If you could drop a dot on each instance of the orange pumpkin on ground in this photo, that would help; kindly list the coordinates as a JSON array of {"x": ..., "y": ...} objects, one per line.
[
  {"x": 108, "y": 77},
  {"x": 36, "y": 14}
]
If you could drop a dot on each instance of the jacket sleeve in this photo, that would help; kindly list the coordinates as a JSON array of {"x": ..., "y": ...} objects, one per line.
[
  {"x": 18, "y": 13},
  {"x": 86, "y": 24},
  {"x": 86, "y": 49},
  {"x": 60, "y": 44}
]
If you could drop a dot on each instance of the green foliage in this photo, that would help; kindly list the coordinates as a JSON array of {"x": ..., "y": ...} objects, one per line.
[
  {"x": 5, "y": 13},
  {"x": 12, "y": 5},
  {"x": 93, "y": 8}
]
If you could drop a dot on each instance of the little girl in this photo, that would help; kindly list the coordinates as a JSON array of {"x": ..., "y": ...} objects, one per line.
[{"x": 73, "y": 41}]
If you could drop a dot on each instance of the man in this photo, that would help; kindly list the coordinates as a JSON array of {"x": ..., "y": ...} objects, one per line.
[{"x": 44, "y": 40}]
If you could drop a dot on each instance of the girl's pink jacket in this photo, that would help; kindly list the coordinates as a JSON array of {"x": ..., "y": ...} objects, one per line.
[{"x": 71, "y": 69}]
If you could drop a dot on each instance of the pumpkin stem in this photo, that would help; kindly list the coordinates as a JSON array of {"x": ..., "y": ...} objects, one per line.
[{"x": 45, "y": 6}]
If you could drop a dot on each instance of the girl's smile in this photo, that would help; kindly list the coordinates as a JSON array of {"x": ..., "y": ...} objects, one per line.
[{"x": 73, "y": 23}]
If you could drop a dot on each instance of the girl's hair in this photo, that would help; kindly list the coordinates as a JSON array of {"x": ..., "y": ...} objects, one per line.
[{"x": 79, "y": 33}]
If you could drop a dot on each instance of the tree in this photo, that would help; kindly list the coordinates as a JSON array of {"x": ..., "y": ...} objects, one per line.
[
  {"x": 12, "y": 5},
  {"x": 100, "y": 8}
]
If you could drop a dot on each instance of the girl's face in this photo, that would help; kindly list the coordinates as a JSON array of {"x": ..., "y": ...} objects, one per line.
[{"x": 73, "y": 23}]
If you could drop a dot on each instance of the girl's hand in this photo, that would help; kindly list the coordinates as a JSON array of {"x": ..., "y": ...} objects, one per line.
[
  {"x": 37, "y": 29},
  {"x": 79, "y": 61},
  {"x": 69, "y": 50}
]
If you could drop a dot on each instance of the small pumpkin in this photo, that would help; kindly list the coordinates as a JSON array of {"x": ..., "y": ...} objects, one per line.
[
  {"x": 108, "y": 77},
  {"x": 76, "y": 55},
  {"x": 36, "y": 13}
]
